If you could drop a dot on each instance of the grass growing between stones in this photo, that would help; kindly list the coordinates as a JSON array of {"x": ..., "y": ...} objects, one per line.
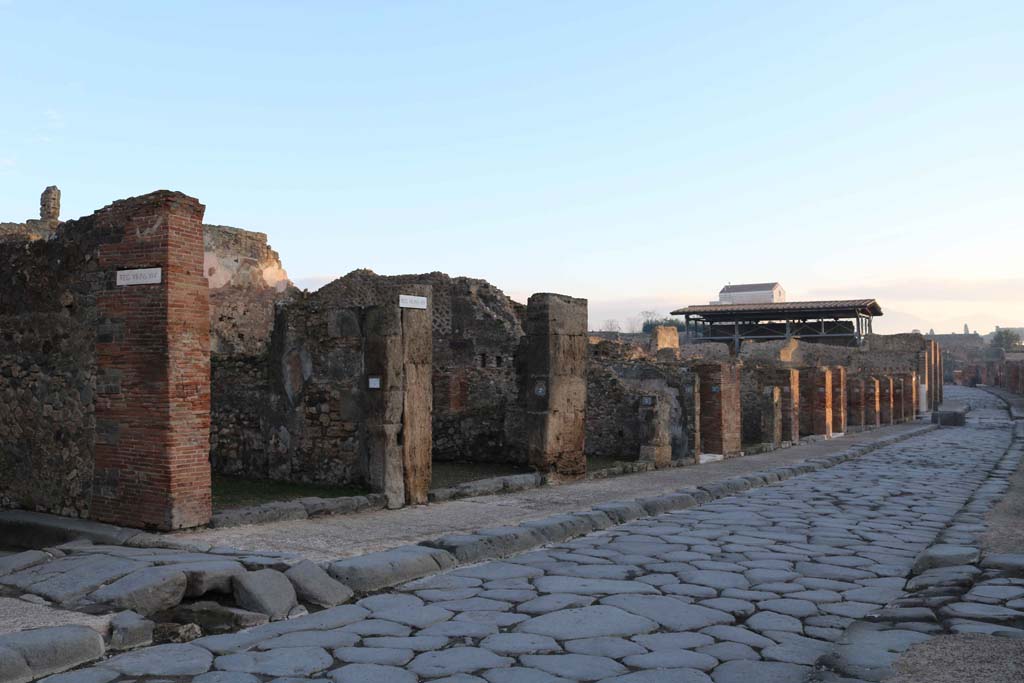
[{"x": 236, "y": 492}]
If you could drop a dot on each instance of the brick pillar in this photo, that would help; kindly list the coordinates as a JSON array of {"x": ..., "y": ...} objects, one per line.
[
  {"x": 816, "y": 402},
  {"x": 398, "y": 352},
  {"x": 771, "y": 416},
  {"x": 719, "y": 408},
  {"x": 838, "y": 399},
  {"x": 553, "y": 384},
  {"x": 872, "y": 404},
  {"x": 153, "y": 365},
  {"x": 885, "y": 400},
  {"x": 855, "y": 403}
]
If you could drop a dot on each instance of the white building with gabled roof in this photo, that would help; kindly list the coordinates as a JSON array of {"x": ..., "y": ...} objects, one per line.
[{"x": 756, "y": 293}]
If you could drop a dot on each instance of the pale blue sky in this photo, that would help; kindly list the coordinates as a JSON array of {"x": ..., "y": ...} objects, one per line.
[{"x": 640, "y": 154}]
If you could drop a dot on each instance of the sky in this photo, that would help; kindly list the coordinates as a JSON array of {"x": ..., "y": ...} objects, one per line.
[{"x": 638, "y": 154}]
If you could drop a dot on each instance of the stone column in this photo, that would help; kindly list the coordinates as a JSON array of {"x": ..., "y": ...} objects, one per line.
[
  {"x": 153, "y": 366},
  {"x": 553, "y": 385},
  {"x": 816, "y": 402},
  {"x": 885, "y": 400},
  {"x": 838, "y": 399}
]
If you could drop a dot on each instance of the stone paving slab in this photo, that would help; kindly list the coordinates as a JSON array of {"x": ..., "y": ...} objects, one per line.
[{"x": 845, "y": 539}]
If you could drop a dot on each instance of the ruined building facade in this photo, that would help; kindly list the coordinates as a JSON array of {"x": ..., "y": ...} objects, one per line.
[{"x": 141, "y": 351}]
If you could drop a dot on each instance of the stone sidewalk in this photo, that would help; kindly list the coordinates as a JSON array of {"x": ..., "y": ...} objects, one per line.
[{"x": 329, "y": 538}]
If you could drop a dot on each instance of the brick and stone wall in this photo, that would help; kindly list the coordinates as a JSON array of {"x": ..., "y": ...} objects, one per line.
[{"x": 106, "y": 386}]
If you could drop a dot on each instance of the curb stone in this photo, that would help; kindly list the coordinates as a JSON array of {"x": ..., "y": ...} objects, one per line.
[{"x": 376, "y": 571}]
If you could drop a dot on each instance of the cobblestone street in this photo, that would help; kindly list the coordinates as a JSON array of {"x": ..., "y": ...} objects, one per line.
[{"x": 803, "y": 580}]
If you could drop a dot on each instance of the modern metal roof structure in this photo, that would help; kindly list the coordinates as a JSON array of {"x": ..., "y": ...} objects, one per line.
[{"x": 842, "y": 321}]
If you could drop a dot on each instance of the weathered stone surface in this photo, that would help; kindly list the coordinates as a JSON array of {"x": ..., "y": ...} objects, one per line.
[
  {"x": 372, "y": 673},
  {"x": 374, "y": 571},
  {"x": 388, "y": 656},
  {"x": 80, "y": 676},
  {"x": 944, "y": 555},
  {"x": 145, "y": 591},
  {"x": 18, "y": 561},
  {"x": 575, "y": 667},
  {"x": 266, "y": 591},
  {"x": 52, "y": 650},
  {"x": 204, "y": 577},
  {"x": 519, "y": 644},
  {"x": 315, "y": 586},
  {"x": 762, "y": 672},
  {"x": 285, "y": 661},
  {"x": 456, "y": 660},
  {"x": 587, "y": 622},
  {"x": 175, "y": 659},
  {"x": 326, "y": 639},
  {"x": 231, "y": 677},
  {"x": 130, "y": 630},
  {"x": 571, "y": 584},
  {"x": 13, "y": 668},
  {"x": 214, "y": 617},
  {"x": 669, "y": 612}
]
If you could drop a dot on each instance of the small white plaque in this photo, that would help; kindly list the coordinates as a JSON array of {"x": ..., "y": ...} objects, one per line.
[
  {"x": 409, "y": 301},
  {"x": 142, "y": 276},
  {"x": 374, "y": 382}
]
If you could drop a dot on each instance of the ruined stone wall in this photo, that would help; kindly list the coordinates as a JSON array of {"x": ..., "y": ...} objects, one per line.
[
  {"x": 636, "y": 402},
  {"x": 48, "y": 329},
  {"x": 105, "y": 384},
  {"x": 475, "y": 328},
  {"x": 247, "y": 282},
  {"x": 476, "y": 334}
]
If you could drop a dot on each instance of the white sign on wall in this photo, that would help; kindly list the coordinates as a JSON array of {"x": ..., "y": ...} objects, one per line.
[
  {"x": 142, "y": 276},
  {"x": 409, "y": 301}
]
